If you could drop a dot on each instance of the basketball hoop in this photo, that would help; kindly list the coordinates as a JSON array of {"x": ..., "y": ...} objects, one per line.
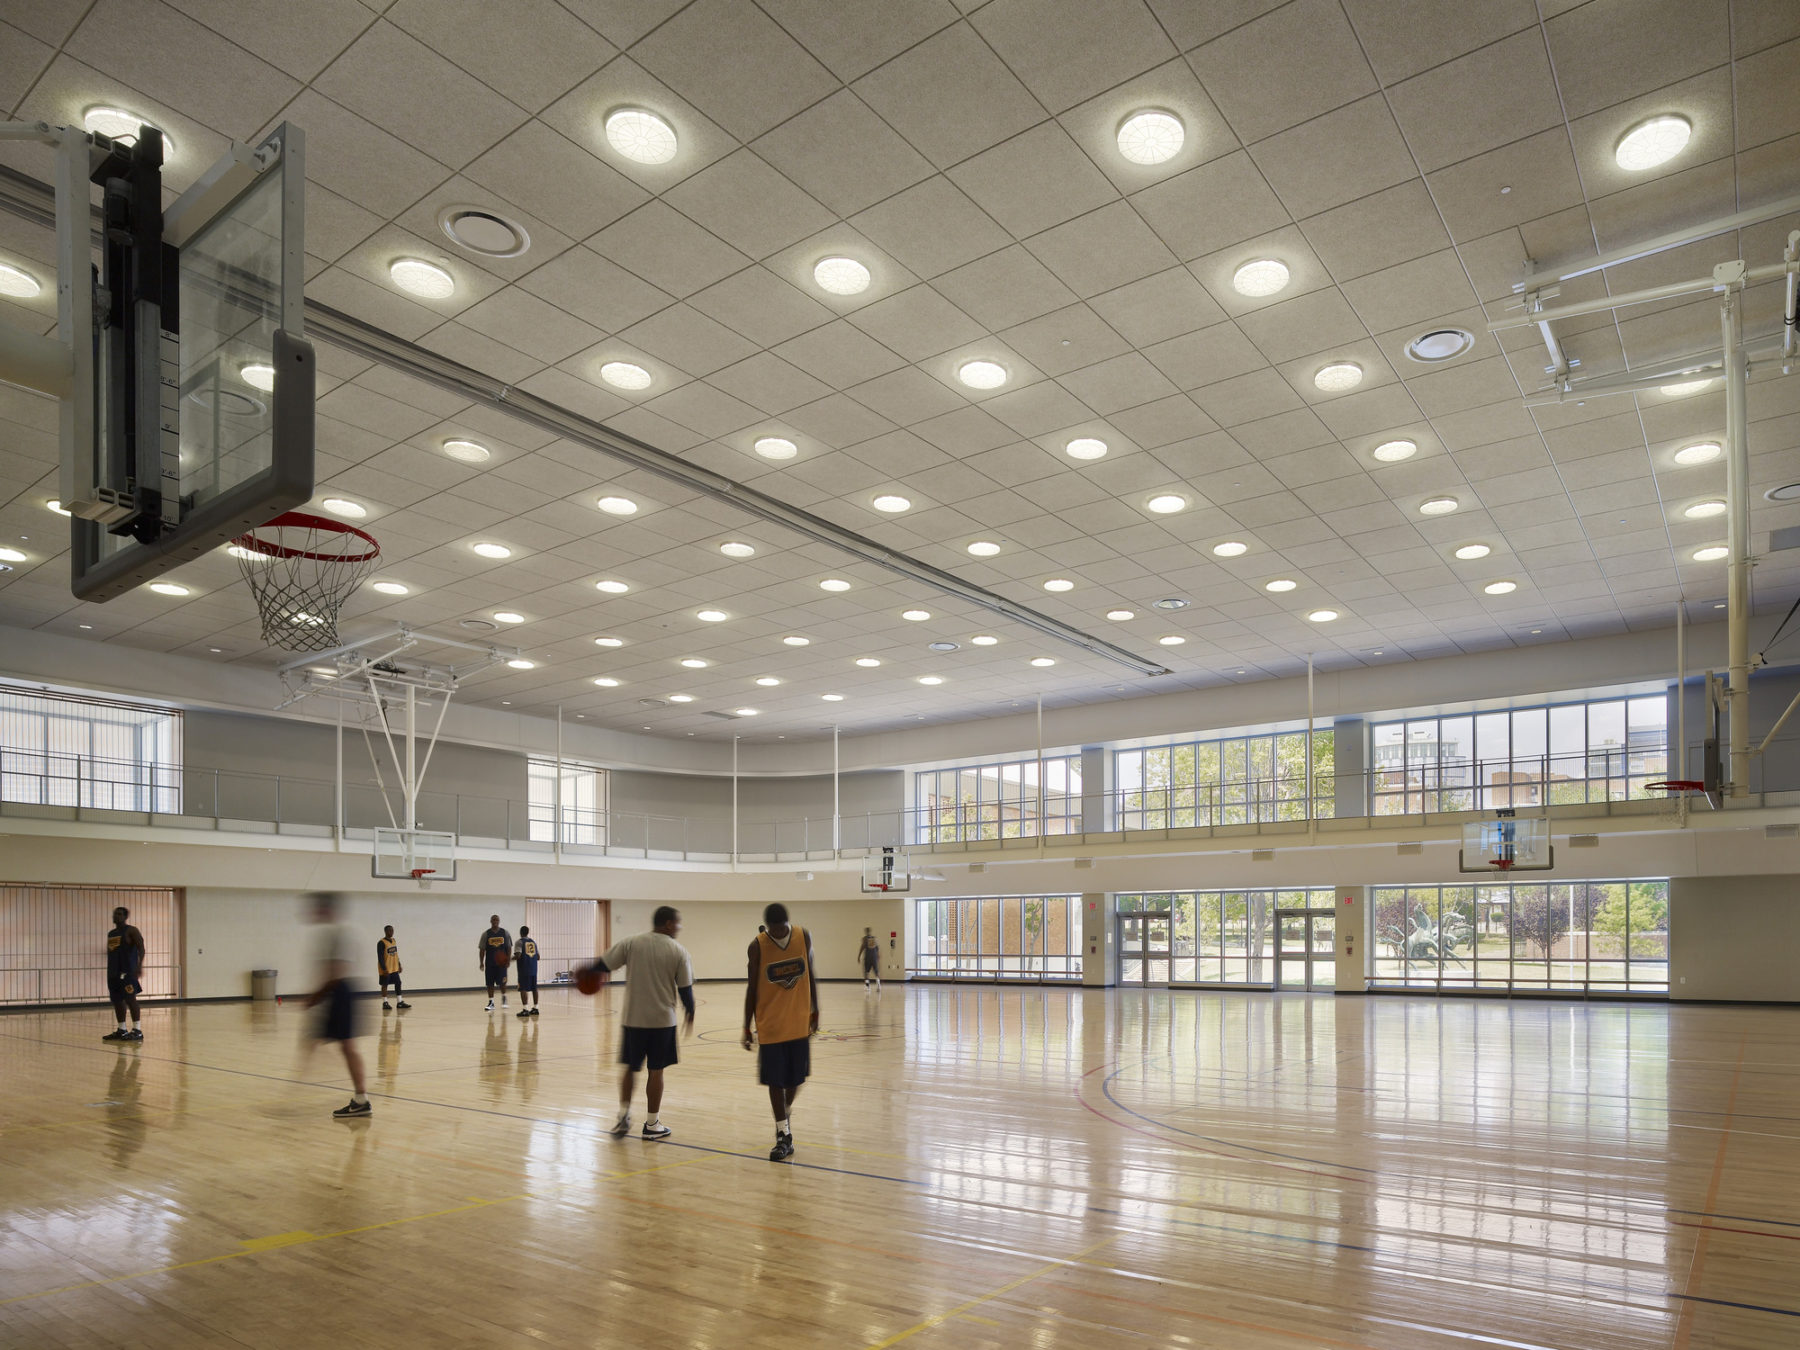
[
  {"x": 301, "y": 568},
  {"x": 1675, "y": 794},
  {"x": 1501, "y": 865},
  {"x": 423, "y": 876}
]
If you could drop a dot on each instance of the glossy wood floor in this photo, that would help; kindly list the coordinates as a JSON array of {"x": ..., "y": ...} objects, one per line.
[{"x": 976, "y": 1167}]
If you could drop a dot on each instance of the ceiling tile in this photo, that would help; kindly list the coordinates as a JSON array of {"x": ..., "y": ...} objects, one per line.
[
  {"x": 589, "y": 286},
  {"x": 852, "y": 40},
  {"x": 358, "y": 160},
  {"x": 749, "y": 205},
  {"x": 904, "y": 396},
  {"x": 840, "y": 355},
  {"x": 931, "y": 228},
  {"x": 1539, "y": 173},
  {"x": 1478, "y": 102},
  {"x": 767, "y": 382},
  {"x": 1207, "y": 356},
  {"x": 1004, "y": 288},
  {"x": 1065, "y": 53},
  {"x": 530, "y": 51},
  {"x": 688, "y": 339},
  {"x": 300, "y": 49},
  {"x": 950, "y": 96},
  {"x": 1426, "y": 288},
  {"x": 1157, "y": 307},
  {"x": 843, "y": 154},
  {"x": 1123, "y": 382},
  {"x": 555, "y": 179},
  {"x": 1607, "y": 51},
  {"x": 1336, "y": 158},
  {"x": 531, "y": 325},
  {"x": 917, "y": 323},
  {"x": 1065, "y": 339},
  {"x": 1038, "y": 408},
  {"x": 1402, "y": 40},
  {"x": 1245, "y": 70},
  {"x": 1388, "y": 227},
  {"x": 735, "y": 64},
  {"x": 761, "y": 306},
  {"x": 1307, "y": 323},
  {"x": 668, "y": 250},
  {"x": 1102, "y": 250},
  {"x": 1037, "y": 179}
]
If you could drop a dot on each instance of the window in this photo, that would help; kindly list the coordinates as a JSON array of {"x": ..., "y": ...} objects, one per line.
[
  {"x": 568, "y": 933},
  {"x": 582, "y": 802},
  {"x": 1013, "y": 937},
  {"x": 1586, "y": 936},
  {"x": 1241, "y": 781},
  {"x": 53, "y": 941},
  {"x": 998, "y": 801},
  {"x": 69, "y": 750},
  {"x": 1224, "y": 937},
  {"x": 1607, "y": 750}
]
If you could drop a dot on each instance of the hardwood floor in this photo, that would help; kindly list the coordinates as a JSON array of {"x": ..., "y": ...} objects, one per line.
[{"x": 975, "y": 1167}]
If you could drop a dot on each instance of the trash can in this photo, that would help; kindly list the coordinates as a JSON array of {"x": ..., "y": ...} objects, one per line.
[{"x": 262, "y": 985}]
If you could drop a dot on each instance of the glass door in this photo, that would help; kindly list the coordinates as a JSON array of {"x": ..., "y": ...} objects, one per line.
[
  {"x": 1145, "y": 949},
  {"x": 1306, "y": 949}
]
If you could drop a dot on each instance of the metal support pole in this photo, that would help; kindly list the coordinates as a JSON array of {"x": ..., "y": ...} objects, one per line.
[
  {"x": 75, "y": 315},
  {"x": 411, "y": 786},
  {"x": 1681, "y": 808},
  {"x": 1737, "y": 501},
  {"x": 734, "y": 803},
  {"x": 837, "y": 825},
  {"x": 556, "y": 804},
  {"x": 1311, "y": 823},
  {"x": 1040, "y": 772},
  {"x": 337, "y": 814},
  {"x": 1789, "y": 255}
]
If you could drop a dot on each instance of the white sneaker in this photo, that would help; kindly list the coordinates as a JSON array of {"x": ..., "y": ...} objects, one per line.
[
  {"x": 622, "y": 1125},
  {"x": 490, "y": 1006}
]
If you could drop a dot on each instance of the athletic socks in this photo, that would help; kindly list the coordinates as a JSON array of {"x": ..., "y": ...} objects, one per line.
[{"x": 360, "y": 1098}]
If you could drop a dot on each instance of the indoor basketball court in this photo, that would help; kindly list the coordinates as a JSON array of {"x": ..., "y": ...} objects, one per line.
[{"x": 1028, "y": 672}]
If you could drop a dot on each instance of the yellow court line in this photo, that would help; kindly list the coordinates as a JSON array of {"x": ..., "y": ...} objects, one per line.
[{"x": 938, "y": 1319}]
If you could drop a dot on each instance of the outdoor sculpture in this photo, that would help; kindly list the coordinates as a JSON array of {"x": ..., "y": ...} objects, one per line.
[{"x": 1429, "y": 942}]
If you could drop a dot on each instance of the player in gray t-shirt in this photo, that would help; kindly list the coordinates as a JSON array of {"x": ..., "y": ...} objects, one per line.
[{"x": 660, "y": 972}]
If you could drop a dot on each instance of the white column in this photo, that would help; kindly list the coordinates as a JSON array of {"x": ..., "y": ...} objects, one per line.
[{"x": 1737, "y": 537}]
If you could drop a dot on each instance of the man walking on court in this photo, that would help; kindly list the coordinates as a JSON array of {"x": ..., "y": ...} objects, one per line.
[
  {"x": 782, "y": 1002},
  {"x": 387, "y": 969},
  {"x": 124, "y": 964},
  {"x": 336, "y": 1000},
  {"x": 493, "y": 950},
  {"x": 661, "y": 971},
  {"x": 526, "y": 958},
  {"x": 868, "y": 953}
]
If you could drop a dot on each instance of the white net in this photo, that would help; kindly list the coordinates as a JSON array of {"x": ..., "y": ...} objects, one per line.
[{"x": 301, "y": 568}]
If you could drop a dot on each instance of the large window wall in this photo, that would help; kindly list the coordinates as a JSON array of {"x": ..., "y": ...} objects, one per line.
[
  {"x": 998, "y": 801},
  {"x": 1222, "y": 937},
  {"x": 994, "y": 937},
  {"x": 1242, "y": 780},
  {"x": 1600, "y": 936},
  {"x": 1605, "y": 750},
  {"x": 582, "y": 802},
  {"x": 69, "y": 750}
]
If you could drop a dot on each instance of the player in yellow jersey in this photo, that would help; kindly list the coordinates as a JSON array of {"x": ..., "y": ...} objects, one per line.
[
  {"x": 781, "y": 1002},
  {"x": 387, "y": 969}
]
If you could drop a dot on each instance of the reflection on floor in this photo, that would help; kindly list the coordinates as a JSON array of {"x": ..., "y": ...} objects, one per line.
[{"x": 976, "y": 1167}]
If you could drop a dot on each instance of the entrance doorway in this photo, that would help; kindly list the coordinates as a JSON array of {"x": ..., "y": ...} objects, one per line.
[
  {"x": 1306, "y": 949},
  {"x": 1145, "y": 950}
]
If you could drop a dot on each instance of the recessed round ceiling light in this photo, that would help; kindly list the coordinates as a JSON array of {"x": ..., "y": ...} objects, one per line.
[
  {"x": 426, "y": 280},
  {"x": 931, "y": 679},
  {"x": 981, "y": 374},
  {"x": 1701, "y": 452},
  {"x": 711, "y": 615},
  {"x": 834, "y": 584},
  {"x": 468, "y": 452},
  {"x": 609, "y": 642},
  {"x": 1318, "y": 616},
  {"x": 733, "y": 548},
  {"x": 641, "y": 136},
  {"x": 625, "y": 375},
  {"x": 1173, "y": 602},
  {"x": 1260, "y": 277},
  {"x": 1711, "y": 553},
  {"x": 915, "y": 615},
  {"x": 1682, "y": 388},
  {"x": 743, "y": 712},
  {"x": 776, "y": 447},
  {"x": 1501, "y": 587},
  {"x": 867, "y": 662},
  {"x": 1121, "y": 615},
  {"x": 681, "y": 698},
  {"x": 984, "y": 548},
  {"x": 168, "y": 588},
  {"x": 11, "y": 555},
  {"x": 617, "y": 506},
  {"x": 1656, "y": 140},
  {"x": 1280, "y": 584},
  {"x": 1440, "y": 344},
  {"x": 1438, "y": 506},
  {"x": 841, "y": 276},
  {"x": 606, "y": 682},
  {"x": 343, "y": 506},
  {"x": 892, "y": 503},
  {"x": 1166, "y": 503},
  {"x": 768, "y": 681},
  {"x": 18, "y": 284},
  {"x": 832, "y": 698},
  {"x": 390, "y": 587},
  {"x": 611, "y": 587},
  {"x": 1150, "y": 136},
  {"x": 1337, "y": 377},
  {"x": 1042, "y": 661},
  {"x": 1392, "y": 452},
  {"x": 520, "y": 663},
  {"x": 1787, "y": 492},
  {"x": 122, "y": 126},
  {"x": 1469, "y": 552},
  {"x": 481, "y": 231},
  {"x": 508, "y": 616},
  {"x": 983, "y": 640},
  {"x": 1059, "y": 584},
  {"x": 258, "y": 375},
  {"x": 795, "y": 640},
  {"x": 493, "y": 550},
  {"x": 1231, "y": 548},
  {"x": 1086, "y": 447},
  {"x": 694, "y": 663},
  {"x": 942, "y": 646},
  {"x": 1701, "y": 510},
  {"x": 1171, "y": 640},
  {"x": 56, "y": 506}
]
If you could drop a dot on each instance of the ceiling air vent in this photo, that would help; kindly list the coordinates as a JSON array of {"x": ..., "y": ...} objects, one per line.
[
  {"x": 484, "y": 232},
  {"x": 653, "y": 703},
  {"x": 728, "y": 716},
  {"x": 478, "y": 625}
]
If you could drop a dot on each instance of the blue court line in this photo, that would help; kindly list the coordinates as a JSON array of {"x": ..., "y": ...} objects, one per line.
[{"x": 1728, "y": 1303}]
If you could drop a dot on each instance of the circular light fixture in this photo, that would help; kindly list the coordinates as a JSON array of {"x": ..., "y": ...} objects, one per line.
[
  {"x": 508, "y": 616},
  {"x": 1173, "y": 602},
  {"x": 915, "y": 615},
  {"x": 983, "y": 640},
  {"x": 11, "y": 555},
  {"x": 931, "y": 679},
  {"x": 1337, "y": 377},
  {"x": 943, "y": 646},
  {"x": 607, "y": 682},
  {"x": 841, "y": 276},
  {"x": 1501, "y": 587},
  {"x": 984, "y": 548},
  {"x": 768, "y": 681},
  {"x": 18, "y": 284},
  {"x": 1260, "y": 277},
  {"x": 1682, "y": 388},
  {"x": 468, "y": 452},
  {"x": 609, "y": 642},
  {"x": 389, "y": 587},
  {"x": 1231, "y": 548},
  {"x": 1438, "y": 506},
  {"x": 1654, "y": 141},
  {"x": 711, "y": 615},
  {"x": 1440, "y": 344},
  {"x": 892, "y": 503},
  {"x": 481, "y": 231},
  {"x": 1059, "y": 584},
  {"x": 981, "y": 374},
  {"x": 122, "y": 126},
  {"x": 1166, "y": 503},
  {"x": 1171, "y": 640},
  {"x": 1470, "y": 552},
  {"x": 1787, "y": 492},
  {"x": 694, "y": 663},
  {"x": 1150, "y": 136},
  {"x": 1701, "y": 510},
  {"x": 1280, "y": 584},
  {"x": 1086, "y": 447},
  {"x": 867, "y": 662},
  {"x": 832, "y": 698},
  {"x": 681, "y": 698},
  {"x": 1701, "y": 452},
  {"x": 795, "y": 640},
  {"x": 732, "y": 548},
  {"x": 426, "y": 280},
  {"x": 617, "y": 506},
  {"x": 625, "y": 375},
  {"x": 1711, "y": 553},
  {"x": 1392, "y": 452},
  {"x": 1321, "y": 616},
  {"x": 776, "y": 447},
  {"x": 493, "y": 550},
  {"x": 611, "y": 587},
  {"x": 1043, "y": 661},
  {"x": 258, "y": 376},
  {"x": 343, "y": 506},
  {"x": 169, "y": 588},
  {"x": 834, "y": 584},
  {"x": 520, "y": 663},
  {"x": 56, "y": 506},
  {"x": 743, "y": 712},
  {"x": 1121, "y": 615},
  {"x": 641, "y": 136}
]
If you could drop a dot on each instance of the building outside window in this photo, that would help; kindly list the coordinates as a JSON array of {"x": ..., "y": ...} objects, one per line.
[
  {"x": 1241, "y": 780},
  {"x": 1217, "y": 937},
  {"x": 997, "y": 801},
  {"x": 71, "y": 750},
  {"x": 1014, "y": 937},
  {"x": 582, "y": 802}
]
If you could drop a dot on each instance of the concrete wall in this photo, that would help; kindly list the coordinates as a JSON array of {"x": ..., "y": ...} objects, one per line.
[
  {"x": 799, "y": 806},
  {"x": 717, "y": 934},
  {"x": 1777, "y": 770},
  {"x": 1735, "y": 938}
]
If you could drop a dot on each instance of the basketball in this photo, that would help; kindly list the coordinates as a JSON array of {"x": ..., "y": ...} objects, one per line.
[
  {"x": 503, "y": 958},
  {"x": 589, "y": 979}
]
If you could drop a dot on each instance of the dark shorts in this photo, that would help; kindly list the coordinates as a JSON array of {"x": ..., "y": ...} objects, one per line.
[
  {"x": 393, "y": 979},
  {"x": 496, "y": 974},
  {"x": 869, "y": 961},
  {"x": 121, "y": 986},
  {"x": 653, "y": 1044},
  {"x": 785, "y": 1064},
  {"x": 337, "y": 1013},
  {"x": 527, "y": 981}
]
